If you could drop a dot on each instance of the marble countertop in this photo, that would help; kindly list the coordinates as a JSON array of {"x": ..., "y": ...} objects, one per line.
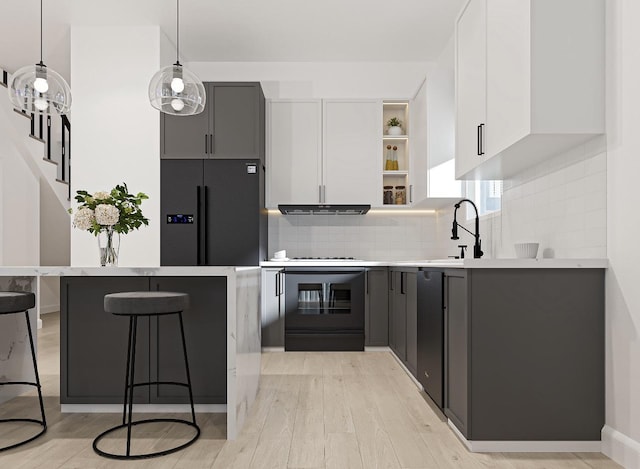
[
  {"x": 215, "y": 271},
  {"x": 174, "y": 271},
  {"x": 455, "y": 263}
]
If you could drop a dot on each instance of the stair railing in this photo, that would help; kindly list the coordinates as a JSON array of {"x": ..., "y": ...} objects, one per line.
[{"x": 39, "y": 127}]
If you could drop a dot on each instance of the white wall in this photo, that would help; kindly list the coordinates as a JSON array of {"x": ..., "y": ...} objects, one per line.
[
  {"x": 19, "y": 204},
  {"x": 116, "y": 132},
  {"x": 621, "y": 437}
]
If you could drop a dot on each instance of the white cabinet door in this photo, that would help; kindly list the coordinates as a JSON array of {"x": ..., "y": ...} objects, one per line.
[
  {"x": 508, "y": 71},
  {"x": 352, "y": 160},
  {"x": 294, "y": 152},
  {"x": 471, "y": 85},
  {"x": 419, "y": 147}
]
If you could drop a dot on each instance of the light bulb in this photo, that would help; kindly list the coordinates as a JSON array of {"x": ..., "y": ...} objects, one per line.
[
  {"x": 177, "y": 104},
  {"x": 41, "y": 85},
  {"x": 40, "y": 104},
  {"x": 177, "y": 84}
]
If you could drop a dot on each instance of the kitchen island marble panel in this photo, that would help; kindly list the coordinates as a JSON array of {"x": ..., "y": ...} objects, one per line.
[
  {"x": 243, "y": 327},
  {"x": 15, "y": 353}
]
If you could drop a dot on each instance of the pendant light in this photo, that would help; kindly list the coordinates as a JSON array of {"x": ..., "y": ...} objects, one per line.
[
  {"x": 38, "y": 89},
  {"x": 174, "y": 89}
]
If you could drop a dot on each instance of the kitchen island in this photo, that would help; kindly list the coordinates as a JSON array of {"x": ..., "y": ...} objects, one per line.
[{"x": 92, "y": 340}]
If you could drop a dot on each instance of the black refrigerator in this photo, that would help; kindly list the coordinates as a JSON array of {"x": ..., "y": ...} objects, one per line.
[{"x": 213, "y": 212}]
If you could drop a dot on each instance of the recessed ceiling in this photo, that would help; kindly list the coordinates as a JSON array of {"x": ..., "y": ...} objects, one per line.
[{"x": 241, "y": 30}]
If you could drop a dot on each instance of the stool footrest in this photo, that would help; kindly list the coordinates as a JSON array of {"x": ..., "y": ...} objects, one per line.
[
  {"x": 146, "y": 455},
  {"x": 28, "y": 440},
  {"x": 24, "y": 383}
]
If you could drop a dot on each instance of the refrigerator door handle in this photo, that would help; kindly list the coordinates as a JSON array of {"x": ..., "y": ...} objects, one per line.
[
  {"x": 198, "y": 237},
  {"x": 206, "y": 225}
]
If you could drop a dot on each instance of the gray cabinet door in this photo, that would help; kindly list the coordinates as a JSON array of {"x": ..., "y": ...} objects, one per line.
[
  {"x": 205, "y": 326},
  {"x": 376, "y": 308},
  {"x": 237, "y": 118},
  {"x": 185, "y": 136},
  {"x": 411, "y": 299},
  {"x": 456, "y": 352},
  {"x": 272, "y": 308},
  {"x": 93, "y": 360},
  {"x": 399, "y": 318}
]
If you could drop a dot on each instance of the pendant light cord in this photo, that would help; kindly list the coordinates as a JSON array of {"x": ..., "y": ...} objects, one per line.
[
  {"x": 177, "y": 31},
  {"x": 40, "y": 32}
]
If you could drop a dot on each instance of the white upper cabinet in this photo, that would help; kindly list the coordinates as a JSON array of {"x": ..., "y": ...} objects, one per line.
[
  {"x": 323, "y": 152},
  {"x": 351, "y": 172},
  {"x": 471, "y": 84},
  {"x": 294, "y": 152},
  {"x": 529, "y": 82}
]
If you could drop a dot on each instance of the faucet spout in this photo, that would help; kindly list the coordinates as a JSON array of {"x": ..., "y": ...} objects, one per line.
[{"x": 477, "y": 247}]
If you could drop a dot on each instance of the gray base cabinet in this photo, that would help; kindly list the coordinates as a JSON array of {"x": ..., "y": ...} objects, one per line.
[
  {"x": 525, "y": 353},
  {"x": 376, "y": 319},
  {"x": 403, "y": 310},
  {"x": 94, "y": 343},
  {"x": 272, "y": 308},
  {"x": 231, "y": 125}
]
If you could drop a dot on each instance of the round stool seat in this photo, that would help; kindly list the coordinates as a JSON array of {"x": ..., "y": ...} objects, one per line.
[
  {"x": 16, "y": 302},
  {"x": 141, "y": 303}
]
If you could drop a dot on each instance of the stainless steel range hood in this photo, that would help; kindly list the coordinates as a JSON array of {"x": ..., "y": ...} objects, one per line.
[{"x": 324, "y": 209}]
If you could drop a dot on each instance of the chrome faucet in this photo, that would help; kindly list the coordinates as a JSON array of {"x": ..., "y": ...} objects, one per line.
[{"x": 477, "y": 247}]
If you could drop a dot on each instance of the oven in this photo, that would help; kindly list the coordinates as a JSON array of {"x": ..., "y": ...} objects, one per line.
[{"x": 324, "y": 308}]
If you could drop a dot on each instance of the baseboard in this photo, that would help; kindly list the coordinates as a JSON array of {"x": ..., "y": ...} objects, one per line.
[
  {"x": 406, "y": 370},
  {"x": 272, "y": 349},
  {"x": 46, "y": 309},
  {"x": 143, "y": 408},
  {"x": 376, "y": 348},
  {"x": 527, "y": 446},
  {"x": 619, "y": 447}
]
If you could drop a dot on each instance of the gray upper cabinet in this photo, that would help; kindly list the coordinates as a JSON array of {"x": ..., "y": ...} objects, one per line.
[
  {"x": 231, "y": 126},
  {"x": 376, "y": 308}
]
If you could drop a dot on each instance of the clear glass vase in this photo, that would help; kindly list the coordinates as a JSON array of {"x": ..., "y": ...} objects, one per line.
[{"x": 109, "y": 245}]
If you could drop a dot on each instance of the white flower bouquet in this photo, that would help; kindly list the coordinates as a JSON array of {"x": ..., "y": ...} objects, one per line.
[{"x": 116, "y": 209}]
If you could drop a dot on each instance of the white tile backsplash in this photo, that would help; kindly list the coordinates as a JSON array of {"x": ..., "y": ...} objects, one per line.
[{"x": 560, "y": 203}]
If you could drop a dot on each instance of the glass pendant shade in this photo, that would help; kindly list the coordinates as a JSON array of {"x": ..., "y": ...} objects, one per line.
[
  {"x": 37, "y": 89},
  {"x": 177, "y": 91}
]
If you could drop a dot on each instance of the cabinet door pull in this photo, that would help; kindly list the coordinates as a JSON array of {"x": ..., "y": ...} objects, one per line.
[
  {"x": 211, "y": 144},
  {"x": 402, "y": 292},
  {"x": 277, "y": 284},
  {"x": 478, "y": 137},
  {"x": 319, "y": 194},
  {"x": 366, "y": 282},
  {"x": 410, "y": 193},
  {"x": 481, "y": 140},
  {"x": 324, "y": 194},
  {"x": 206, "y": 144}
]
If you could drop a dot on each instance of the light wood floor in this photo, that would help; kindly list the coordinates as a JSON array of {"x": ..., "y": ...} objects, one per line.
[{"x": 314, "y": 410}]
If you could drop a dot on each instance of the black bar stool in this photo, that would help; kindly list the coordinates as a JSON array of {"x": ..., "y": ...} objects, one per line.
[
  {"x": 13, "y": 303},
  {"x": 134, "y": 305}
]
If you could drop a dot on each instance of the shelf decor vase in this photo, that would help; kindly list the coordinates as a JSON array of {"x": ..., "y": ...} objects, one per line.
[
  {"x": 394, "y": 130},
  {"x": 109, "y": 245}
]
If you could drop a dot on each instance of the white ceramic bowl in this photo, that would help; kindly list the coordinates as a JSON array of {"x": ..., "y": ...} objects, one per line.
[{"x": 526, "y": 250}]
